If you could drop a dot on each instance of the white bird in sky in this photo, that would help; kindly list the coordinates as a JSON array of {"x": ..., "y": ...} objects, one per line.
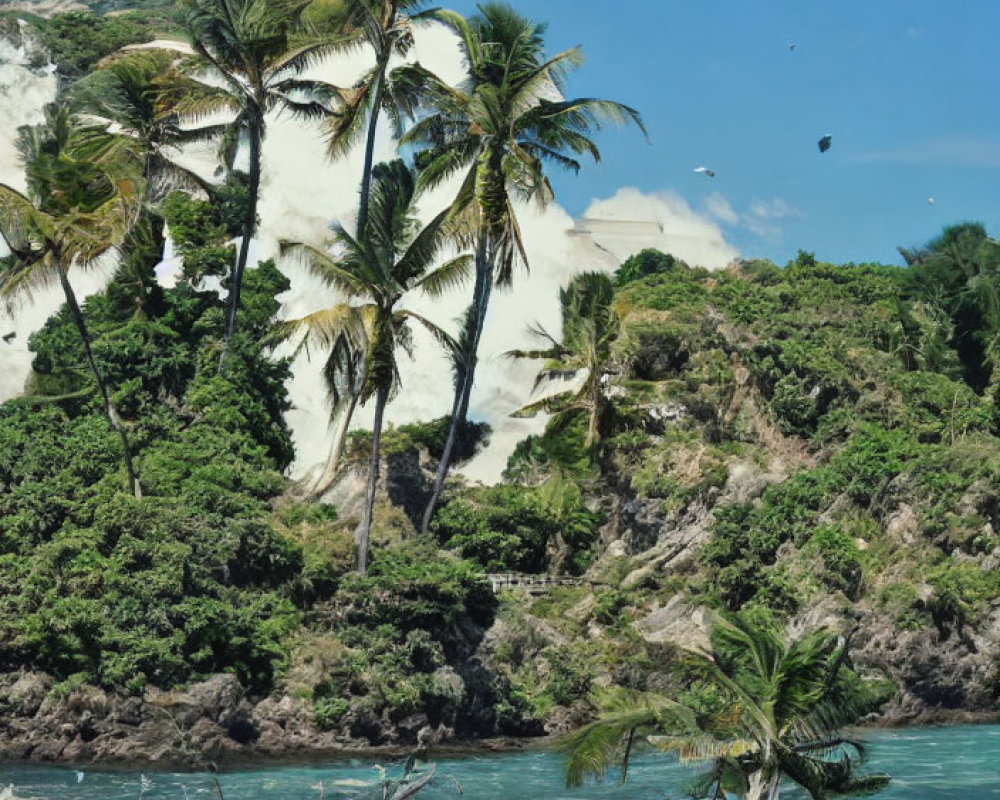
[
  {"x": 931, "y": 201},
  {"x": 705, "y": 171}
]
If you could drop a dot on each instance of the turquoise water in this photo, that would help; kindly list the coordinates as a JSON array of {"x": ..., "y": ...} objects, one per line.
[{"x": 926, "y": 764}]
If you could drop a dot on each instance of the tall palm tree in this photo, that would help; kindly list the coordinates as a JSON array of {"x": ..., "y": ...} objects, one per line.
[
  {"x": 386, "y": 28},
  {"x": 74, "y": 212},
  {"x": 376, "y": 270},
  {"x": 782, "y": 704},
  {"x": 589, "y": 327},
  {"x": 247, "y": 46},
  {"x": 500, "y": 129}
]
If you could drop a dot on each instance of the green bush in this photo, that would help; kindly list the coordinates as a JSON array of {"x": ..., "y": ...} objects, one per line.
[
  {"x": 513, "y": 529},
  {"x": 76, "y": 41}
]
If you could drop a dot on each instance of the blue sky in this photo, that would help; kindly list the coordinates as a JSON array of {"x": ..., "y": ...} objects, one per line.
[{"x": 909, "y": 90}]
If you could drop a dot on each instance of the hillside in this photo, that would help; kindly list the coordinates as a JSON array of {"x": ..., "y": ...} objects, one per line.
[{"x": 814, "y": 444}]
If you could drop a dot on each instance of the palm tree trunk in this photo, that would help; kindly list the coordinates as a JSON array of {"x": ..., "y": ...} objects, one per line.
[
  {"x": 463, "y": 390},
  {"x": 763, "y": 786},
  {"x": 363, "y": 536},
  {"x": 366, "y": 176},
  {"x": 336, "y": 448},
  {"x": 594, "y": 415},
  {"x": 630, "y": 739},
  {"x": 249, "y": 227},
  {"x": 109, "y": 407}
]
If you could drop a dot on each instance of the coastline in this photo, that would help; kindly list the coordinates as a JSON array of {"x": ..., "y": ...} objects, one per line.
[{"x": 251, "y": 758}]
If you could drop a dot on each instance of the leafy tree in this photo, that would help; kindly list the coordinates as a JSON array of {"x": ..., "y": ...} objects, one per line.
[
  {"x": 248, "y": 45},
  {"x": 590, "y": 326},
  {"x": 191, "y": 580},
  {"x": 500, "y": 129},
  {"x": 390, "y": 258},
  {"x": 75, "y": 211},
  {"x": 778, "y": 709},
  {"x": 643, "y": 264},
  {"x": 513, "y": 528},
  {"x": 961, "y": 269}
]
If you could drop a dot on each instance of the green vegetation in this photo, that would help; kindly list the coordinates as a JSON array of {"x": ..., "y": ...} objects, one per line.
[
  {"x": 816, "y": 441},
  {"x": 766, "y": 709},
  {"x": 391, "y": 257},
  {"x": 500, "y": 133},
  {"x": 78, "y": 40}
]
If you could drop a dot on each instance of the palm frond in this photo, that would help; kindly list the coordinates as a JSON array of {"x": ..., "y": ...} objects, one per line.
[
  {"x": 327, "y": 327},
  {"x": 448, "y": 276},
  {"x": 326, "y": 268}
]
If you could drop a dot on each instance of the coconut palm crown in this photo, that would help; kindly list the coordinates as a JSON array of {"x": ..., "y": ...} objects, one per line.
[
  {"x": 498, "y": 131},
  {"x": 253, "y": 61},
  {"x": 385, "y": 27},
  {"x": 776, "y": 710},
  {"x": 589, "y": 327}
]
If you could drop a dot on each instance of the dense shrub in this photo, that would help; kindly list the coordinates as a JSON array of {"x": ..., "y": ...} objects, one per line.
[
  {"x": 513, "y": 529},
  {"x": 76, "y": 41}
]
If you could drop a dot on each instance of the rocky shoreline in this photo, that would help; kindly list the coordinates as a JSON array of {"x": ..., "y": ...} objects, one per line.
[{"x": 214, "y": 723}]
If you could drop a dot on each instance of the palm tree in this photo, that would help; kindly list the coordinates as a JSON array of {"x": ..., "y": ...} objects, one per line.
[
  {"x": 74, "y": 212},
  {"x": 389, "y": 258},
  {"x": 128, "y": 96},
  {"x": 780, "y": 707},
  {"x": 386, "y": 27},
  {"x": 589, "y": 327},
  {"x": 125, "y": 99},
  {"x": 247, "y": 47},
  {"x": 501, "y": 128}
]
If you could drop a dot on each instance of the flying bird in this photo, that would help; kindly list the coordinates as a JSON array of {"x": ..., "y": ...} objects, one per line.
[
  {"x": 931, "y": 201},
  {"x": 79, "y": 776},
  {"x": 9, "y": 337},
  {"x": 791, "y": 46},
  {"x": 824, "y": 143},
  {"x": 705, "y": 171}
]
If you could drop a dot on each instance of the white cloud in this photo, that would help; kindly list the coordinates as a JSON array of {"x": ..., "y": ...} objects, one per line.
[
  {"x": 718, "y": 206},
  {"x": 773, "y": 209},
  {"x": 631, "y": 220},
  {"x": 941, "y": 151},
  {"x": 763, "y": 217}
]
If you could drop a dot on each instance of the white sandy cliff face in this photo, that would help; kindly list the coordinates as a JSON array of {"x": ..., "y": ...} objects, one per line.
[
  {"x": 23, "y": 94},
  {"x": 303, "y": 193}
]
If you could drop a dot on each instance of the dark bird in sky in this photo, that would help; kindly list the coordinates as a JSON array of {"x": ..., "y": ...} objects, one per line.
[
  {"x": 791, "y": 46},
  {"x": 705, "y": 171},
  {"x": 824, "y": 143},
  {"x": 9, "y": 337}
]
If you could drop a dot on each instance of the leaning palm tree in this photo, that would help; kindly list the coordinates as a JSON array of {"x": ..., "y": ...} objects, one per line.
[
  {"x": 386, "y": 28},
  {"x": 74, "y": 212},
  {"x": 247, "y": 48},
  {"x": 589, "y": 327},
  {"x": 390, "y": 258},
  {"x": 500, "y": 129},
  {"x": 781, "y": 707}
]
